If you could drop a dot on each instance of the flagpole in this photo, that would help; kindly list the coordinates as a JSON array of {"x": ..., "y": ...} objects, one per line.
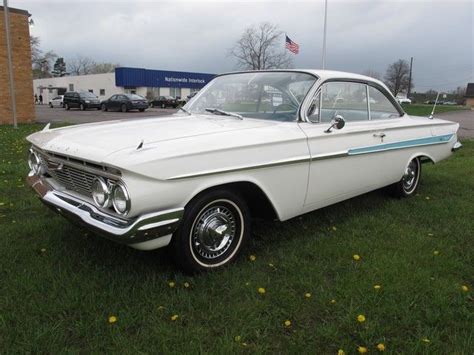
[{"x": 324, "y": 33}]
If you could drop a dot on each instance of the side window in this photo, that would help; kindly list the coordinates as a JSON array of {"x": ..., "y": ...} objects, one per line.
[
  {"x": 113, "y": 98},
  {"x": 380, "y": 106},
  {"x": 347, "y": 99}
]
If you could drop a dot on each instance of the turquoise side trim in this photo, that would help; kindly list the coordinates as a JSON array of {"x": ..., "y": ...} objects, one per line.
[{"x": 400, "y": 145}]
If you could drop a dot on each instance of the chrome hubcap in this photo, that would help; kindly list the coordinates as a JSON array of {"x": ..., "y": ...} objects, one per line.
[
  {"x": 409, "y": 179},
  {"x": 213, "y": 232}
]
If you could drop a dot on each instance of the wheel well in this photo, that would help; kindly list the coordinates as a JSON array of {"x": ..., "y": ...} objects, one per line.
[
  {"x": 425, "y": 159},
  {"x": 257, "y": 200}
]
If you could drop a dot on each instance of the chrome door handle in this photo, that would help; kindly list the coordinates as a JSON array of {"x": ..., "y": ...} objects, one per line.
[{"x": 380, "y": 135}]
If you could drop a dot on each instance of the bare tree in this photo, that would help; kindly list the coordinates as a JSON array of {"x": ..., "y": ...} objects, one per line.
[
  {"x": 81, "y": 65},
  {"x": 41, "y": 63},
  {"x": 372, "y": 73},
  {"x": 99, "y": 68},
  {"x": 261, "y": 47},
  {"x": 397, "y": 76}
]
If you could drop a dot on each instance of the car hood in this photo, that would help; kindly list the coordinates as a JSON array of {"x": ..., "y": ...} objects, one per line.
[{"x": 97, "y": 141}]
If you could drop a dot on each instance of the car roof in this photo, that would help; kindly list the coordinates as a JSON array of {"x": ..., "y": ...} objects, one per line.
[{"x": 322, "y": 74}]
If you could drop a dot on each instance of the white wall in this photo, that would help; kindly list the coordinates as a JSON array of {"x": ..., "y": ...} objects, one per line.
[{"x": 93, "y": 82}]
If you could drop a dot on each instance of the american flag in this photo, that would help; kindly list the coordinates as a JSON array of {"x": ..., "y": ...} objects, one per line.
[{"x": 292, "y": 46}]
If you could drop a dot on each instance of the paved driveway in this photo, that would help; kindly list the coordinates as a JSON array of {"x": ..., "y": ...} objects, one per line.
[
  {"x": 465, "y": 120},
  {"x": 45, "y": 114}
]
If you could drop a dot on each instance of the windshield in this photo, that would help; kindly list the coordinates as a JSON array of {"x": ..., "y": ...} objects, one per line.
[
  {"x": 88, "y": 95},
  {"x": 134, "y": 97},
  {"x": 264, "y": 95}
]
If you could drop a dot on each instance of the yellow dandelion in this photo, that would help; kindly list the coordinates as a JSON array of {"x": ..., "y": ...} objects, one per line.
[
  {"x": 361, "y": 318},
  {"x": 252, "y": 257},
  {"x": 307, "y": 295},
  {"x": 341, "y": 352},
  {"x": 426, "y": 340},
  {"x": 287, "y": 323},
  {"x": 238, "y": 338},
  {"x": 333, "y": 301},
  {"x": 381, "y": 347},
  {"x": 377, "y": 287},
  {"x": 171, "y": 284},
  {"x": 464, "y": 288},
  {"x": 362, "y": 349},
  {"x": 174, "y": 317},
  {"x": 112, "y": 319},
  {"x": 261, "y": 290},
  {"x": 436, "y": 252},
  {"x": 186, "y": 285},
  {"x": 356, "y": 257}
]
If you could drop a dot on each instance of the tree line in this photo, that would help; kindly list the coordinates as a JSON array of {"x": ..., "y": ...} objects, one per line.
[{"x": 49, "y": 64}]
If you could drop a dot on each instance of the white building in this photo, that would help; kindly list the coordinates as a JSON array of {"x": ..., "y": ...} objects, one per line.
[{"x": 144, "y": 82}]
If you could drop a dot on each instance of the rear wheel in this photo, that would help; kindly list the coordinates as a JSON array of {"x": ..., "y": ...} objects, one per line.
[
  {"x": 215, "y": 228},
  {"x": 410, "y": 180},
  {"x": 123, "y": 108},
  {"x": 66, "y": 106},
  {"x": 103, "y": 107},
  {"x": 51, "y": 104}
]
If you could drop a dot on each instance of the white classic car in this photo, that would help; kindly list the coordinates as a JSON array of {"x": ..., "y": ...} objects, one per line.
[
  {"x": 272, "y": 143},
  {"x": 56, "y": 101}
]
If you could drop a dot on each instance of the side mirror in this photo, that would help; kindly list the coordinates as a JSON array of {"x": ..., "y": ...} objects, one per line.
[{"x": 338, "y": 122}]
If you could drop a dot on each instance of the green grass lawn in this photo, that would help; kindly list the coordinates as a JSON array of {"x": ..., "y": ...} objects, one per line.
[
  {"x": 425, "y": 110},
  {"x": 59, "y": 284}
]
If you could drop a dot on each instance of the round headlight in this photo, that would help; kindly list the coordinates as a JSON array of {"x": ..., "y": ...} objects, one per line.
[
  {"x": 120, "y": 199},
  {"x": 100, "y": 192},
  {"x": 34, "y": 162}
]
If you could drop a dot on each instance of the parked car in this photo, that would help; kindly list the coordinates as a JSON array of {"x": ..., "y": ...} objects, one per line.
[
  {"x": 403, "y": 100},
  {"x": 81, "y": 100},
  {"x": 451, "y": 103},
  {"x": 56, "y": 101},
  {"x": 195, "y": 179},
  {"x": 124, "y": 103},
  {"x": 164, "y": 101}
]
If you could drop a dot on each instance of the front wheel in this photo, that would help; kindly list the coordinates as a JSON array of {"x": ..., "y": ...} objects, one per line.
[
  {"x": 66, "y": 106},
  {"x": 410, "y": 180},
  {"x": 82, "y": 107},
  {"x": 103, "y": 107},
  {"x": 215, "y": 228},
  {"x": 141, "y": 109},
  {"x": 123, "y": 108}
]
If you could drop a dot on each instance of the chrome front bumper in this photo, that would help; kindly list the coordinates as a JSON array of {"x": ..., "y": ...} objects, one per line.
[{"x": 136, "y": 231}]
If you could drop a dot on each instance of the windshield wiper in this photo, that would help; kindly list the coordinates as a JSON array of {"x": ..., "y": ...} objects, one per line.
[
  {"x": 217, "y": 111},
  {"x": 184, "y": 110}
]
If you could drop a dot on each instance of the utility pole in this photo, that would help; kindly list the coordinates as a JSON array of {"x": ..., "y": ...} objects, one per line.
[
  {"x": 10, "y": 62},
  {"x": 324, "y": 33},
  {"x": 409, "y": 79}
]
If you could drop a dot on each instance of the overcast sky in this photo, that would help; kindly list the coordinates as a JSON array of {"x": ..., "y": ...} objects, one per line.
[{"x": 196, "y": 35}]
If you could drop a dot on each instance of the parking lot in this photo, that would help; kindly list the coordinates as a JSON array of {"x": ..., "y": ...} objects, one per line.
[{"x": 45, "y": 114}]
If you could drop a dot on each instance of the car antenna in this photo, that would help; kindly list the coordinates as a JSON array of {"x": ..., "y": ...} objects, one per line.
[
  {"x": 140, "y": 145},
  {"x": 434, "y": 107}
]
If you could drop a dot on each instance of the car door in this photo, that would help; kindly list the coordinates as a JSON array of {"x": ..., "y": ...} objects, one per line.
[
  {"x": 334, "y": 174},
  {"x": 112, "y": 102}
]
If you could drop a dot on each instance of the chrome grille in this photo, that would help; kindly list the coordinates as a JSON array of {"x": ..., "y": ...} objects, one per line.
[
  {"x": 69, "y": 172},
  {"x": 74, "y": 179}
]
